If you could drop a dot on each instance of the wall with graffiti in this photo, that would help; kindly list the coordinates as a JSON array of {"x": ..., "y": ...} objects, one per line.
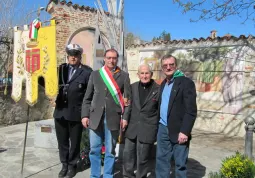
[{"x": 224, "y": 75}]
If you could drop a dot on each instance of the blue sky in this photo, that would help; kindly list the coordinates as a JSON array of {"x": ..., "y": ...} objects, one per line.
[{"x": 148, "y": 18}]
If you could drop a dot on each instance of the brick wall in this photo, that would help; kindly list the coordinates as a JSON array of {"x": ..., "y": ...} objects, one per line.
[{"x": 70, "y": 19}]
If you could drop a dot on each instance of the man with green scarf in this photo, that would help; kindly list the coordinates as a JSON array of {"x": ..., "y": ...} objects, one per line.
[{"x": 177, "y": 114}]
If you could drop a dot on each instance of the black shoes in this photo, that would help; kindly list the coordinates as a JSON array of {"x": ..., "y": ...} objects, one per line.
[
  {"x": 67, "y": 172},
  {"x": 71, "y": 173},
  {"x": 63, "y": 171}
]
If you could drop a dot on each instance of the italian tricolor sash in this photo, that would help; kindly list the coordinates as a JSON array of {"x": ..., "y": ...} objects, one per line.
[
  {"x": 112, "y": 86},
  {"x": 33, "y": 30}
]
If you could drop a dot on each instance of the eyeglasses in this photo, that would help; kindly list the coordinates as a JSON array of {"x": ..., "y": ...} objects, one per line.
[
  {"x": 111, "y": 58},
  {"x": 170, "y": 65}
]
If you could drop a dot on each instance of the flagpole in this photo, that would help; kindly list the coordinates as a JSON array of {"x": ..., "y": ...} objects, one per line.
[
  {"x": 25, "y": 140},
  {"x": 28, "y": 107}
]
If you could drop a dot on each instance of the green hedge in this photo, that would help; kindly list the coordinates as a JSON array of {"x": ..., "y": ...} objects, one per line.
[{"x": 236, "y": 166}]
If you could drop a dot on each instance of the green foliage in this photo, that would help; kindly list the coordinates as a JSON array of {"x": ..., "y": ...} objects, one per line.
[
  {"x": 129, "y": 39},
  {"x": 163, "y": 36},
  {"x": 85, "y": 140},
  {"x": 55, "y": 1},
  {"x": 238, "y": 166},
  {"x": 215, "y": 175}
]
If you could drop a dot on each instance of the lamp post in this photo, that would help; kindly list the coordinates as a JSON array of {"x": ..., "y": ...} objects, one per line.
[{"x": 38, "y": 13}]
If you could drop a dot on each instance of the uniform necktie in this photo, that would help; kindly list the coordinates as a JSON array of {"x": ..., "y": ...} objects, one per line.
[{"x": 71, "y": 72}]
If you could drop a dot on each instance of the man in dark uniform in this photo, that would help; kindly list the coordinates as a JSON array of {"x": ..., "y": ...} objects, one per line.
[{"x": 73, "y": 80}]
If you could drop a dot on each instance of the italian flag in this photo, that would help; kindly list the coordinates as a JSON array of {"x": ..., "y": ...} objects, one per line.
[
  {"x": 33, "y": 30},
  {"x": 112, "y": 86}
]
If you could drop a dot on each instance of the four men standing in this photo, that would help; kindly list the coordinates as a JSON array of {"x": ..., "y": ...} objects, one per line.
[{"x": 165, "y": 114}]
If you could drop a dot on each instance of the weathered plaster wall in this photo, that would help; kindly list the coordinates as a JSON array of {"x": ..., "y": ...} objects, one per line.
[{"x": 16, "y": 113}]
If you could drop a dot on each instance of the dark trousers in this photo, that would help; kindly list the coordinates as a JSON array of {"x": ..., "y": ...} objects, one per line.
[
  {"x": 69, "y": 137},
  {"x": 136, "y": 157},
  {"x": 165, "y": 151}
]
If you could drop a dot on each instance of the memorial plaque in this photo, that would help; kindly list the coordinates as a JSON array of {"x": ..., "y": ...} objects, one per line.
[
  {"x": 251, "y": 106},
  {"x": 46, "y": 129},
  {"x": 99, "y": 53}
]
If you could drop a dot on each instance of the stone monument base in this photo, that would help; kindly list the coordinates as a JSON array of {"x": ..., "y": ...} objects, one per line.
[{"x": 45, "y": 134}]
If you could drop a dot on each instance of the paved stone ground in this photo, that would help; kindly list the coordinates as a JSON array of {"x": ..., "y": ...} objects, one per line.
[{"x": 206, "y": 152}]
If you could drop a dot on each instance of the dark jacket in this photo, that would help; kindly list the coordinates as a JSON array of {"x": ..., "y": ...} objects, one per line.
[
  {"x": 98, "y": 100},
  {"x": 71, "y": 93},
  {"x": 143, "y": 120},
  {"x": 182, "y": 107}
]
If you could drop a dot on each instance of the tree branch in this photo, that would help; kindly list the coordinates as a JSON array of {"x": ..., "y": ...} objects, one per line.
[{"x": 212, "y": 9}]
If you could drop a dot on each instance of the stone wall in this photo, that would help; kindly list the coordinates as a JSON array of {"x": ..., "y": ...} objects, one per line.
[{"x": 15, "y": 113}]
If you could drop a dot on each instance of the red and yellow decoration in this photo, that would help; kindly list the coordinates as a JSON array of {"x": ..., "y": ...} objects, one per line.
[{"x": 34, "y": 57}]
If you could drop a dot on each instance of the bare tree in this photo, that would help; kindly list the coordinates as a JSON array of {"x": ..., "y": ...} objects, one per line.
[
  {"x": 219, "y": 9},
  {"x": 12, "y": 13}
]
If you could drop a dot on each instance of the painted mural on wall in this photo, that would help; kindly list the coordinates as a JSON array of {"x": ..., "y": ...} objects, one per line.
[{"x": 219, "y": 74}]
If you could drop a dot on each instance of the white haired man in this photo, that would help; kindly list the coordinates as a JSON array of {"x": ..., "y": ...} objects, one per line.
[{"x": 143, "y": 124}]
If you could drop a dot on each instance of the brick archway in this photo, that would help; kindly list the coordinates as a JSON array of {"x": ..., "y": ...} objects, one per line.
[{"x": 85, "y": 37}]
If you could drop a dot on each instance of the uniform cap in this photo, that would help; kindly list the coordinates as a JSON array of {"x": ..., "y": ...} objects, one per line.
[{"x": 74, "y": 49}]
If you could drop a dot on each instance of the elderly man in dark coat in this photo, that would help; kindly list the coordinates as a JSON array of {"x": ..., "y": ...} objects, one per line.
[{"x": 143, "y": 123}]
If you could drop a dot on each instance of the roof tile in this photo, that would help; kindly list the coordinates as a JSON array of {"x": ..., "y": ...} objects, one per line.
[{"x": 75, "y": 6}]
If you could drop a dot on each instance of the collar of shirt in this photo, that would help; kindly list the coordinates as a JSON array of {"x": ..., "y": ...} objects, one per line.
[
  {"x": 146, "y": 85},
  {"x": 168, "y": 82},
  {"x": 75, "y": 66},
  {"x": 115, "y": 70},
  {"x": 72, "y": 70}
]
